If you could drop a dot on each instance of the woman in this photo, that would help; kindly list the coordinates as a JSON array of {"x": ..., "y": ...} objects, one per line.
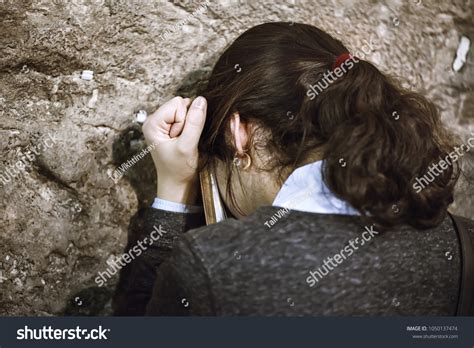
[{"x": 320, "y": 158}]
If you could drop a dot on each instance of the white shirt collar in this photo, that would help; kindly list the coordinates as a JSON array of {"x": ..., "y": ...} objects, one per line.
[{"x": 305, "y": 190}]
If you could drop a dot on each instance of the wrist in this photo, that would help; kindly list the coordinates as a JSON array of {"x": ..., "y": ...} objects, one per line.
[{"x": 184, "y": 193}]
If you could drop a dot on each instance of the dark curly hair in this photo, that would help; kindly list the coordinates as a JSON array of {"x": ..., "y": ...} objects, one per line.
[{"x": 376, "y": 138}]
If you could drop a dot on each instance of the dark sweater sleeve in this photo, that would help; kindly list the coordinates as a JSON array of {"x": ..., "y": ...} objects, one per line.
[
  {"x": 136, "y": 279},
  {"x": 182, "y": 286}
]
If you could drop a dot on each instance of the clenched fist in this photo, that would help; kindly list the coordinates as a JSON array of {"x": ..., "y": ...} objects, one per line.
[{"x": 175, "y": 129}]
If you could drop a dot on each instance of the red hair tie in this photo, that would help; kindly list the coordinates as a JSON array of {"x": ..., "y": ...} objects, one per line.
[{"x": 341, "y": 59}]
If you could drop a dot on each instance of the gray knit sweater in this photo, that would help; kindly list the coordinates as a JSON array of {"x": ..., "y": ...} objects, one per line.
[{"x": 244, "y": 267}]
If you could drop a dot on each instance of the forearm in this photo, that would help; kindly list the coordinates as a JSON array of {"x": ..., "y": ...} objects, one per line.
[
  {"x": 182, "y": 285},
  {"x": 153, "y": 234}
]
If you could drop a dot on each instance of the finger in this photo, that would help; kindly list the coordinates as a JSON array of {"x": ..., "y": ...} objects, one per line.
[
  {"x": 166, "y": 114},
  {"x": 178, "y": 125},
  {"x": 193, "y": 125}
]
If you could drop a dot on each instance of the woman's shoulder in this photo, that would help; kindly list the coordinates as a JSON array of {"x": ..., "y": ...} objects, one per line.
[
  {"x": 270, "y": 224},
  {"x": 302, "y": 249}
]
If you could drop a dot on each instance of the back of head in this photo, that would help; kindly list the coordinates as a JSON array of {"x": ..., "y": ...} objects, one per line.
[{"x": 376, "y": 138}]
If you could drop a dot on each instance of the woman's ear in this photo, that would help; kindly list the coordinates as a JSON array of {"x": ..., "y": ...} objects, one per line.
[{"x": 239, "y": 133}]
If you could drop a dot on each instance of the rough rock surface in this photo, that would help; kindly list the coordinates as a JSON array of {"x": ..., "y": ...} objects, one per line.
[{"x": 63, "y": 217}]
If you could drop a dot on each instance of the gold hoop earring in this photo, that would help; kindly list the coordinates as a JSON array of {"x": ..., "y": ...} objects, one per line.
[{"x": 237, "y": 161}]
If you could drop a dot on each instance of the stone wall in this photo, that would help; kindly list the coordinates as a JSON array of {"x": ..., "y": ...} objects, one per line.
[{"x": 63, "y": 217}]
